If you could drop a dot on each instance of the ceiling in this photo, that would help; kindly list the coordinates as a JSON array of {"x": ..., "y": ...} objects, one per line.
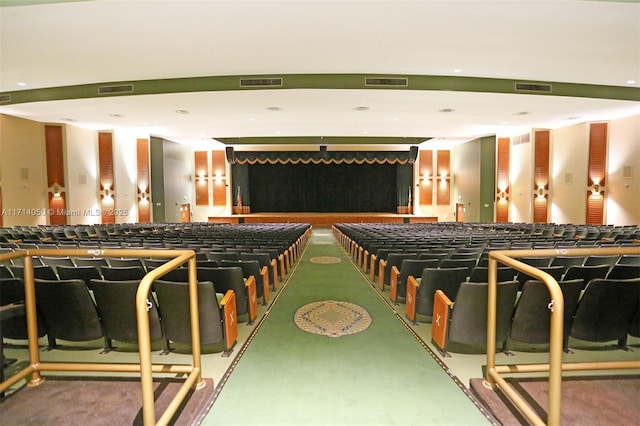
[{"x": 456, "y": 55}]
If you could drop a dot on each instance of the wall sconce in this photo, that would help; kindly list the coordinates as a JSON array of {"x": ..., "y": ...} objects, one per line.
[
  {"x": 503, "y": 196},
  {"x": 143, "y": 198},
  {"x": 106, "y": 192},
  {"x": 56, "y": 190},
  {"x": 540, "y": 192},
  {"x": 219, "y": 177},
  {"x": 425, "y": 177},
  {"x": 201, "y": 178},
  {"x": 596, "y": 187}
]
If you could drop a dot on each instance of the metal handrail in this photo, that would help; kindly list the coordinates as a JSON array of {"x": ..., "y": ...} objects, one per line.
[
  {"x": 555, "y": 365},
  {"x": 146, "y": 368}
]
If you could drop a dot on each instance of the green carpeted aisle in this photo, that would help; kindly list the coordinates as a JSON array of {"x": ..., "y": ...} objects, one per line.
[{"x": 380, "y": 376}]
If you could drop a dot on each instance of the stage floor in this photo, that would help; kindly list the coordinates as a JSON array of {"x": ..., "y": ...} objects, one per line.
[{"x": 322, "y": 219}]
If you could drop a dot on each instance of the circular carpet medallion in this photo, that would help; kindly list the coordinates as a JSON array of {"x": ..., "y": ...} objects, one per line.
[
  {"x": 322, "y": 243},
  {"x": 332, "y": 318},
  {"x": 325, "y": 260}
]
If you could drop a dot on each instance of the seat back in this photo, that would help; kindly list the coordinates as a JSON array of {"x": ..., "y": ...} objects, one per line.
[
  {"x": 12, "y": 291},
  {"x": 84, "y": 273},
  {"x": 123, "y": 273},
  {"x": 469, "y": 264},
  {"x": 173, "y": 302},
  {"x": 555, "y": 271},
  {"x": 228, "y": 278},
  {"x": 605, "y": 310},
  {"x": 116, "y": 304},
  {"x": 586, "y": 273},
  {"x": 567, "y": 261},
  {"x": 532, "y": 317},
  {"x": 414, "y": 268},
  {"x": 468, "y": 324},
  {"x": 601, "y": 260},
  {"x": 446, "y": 279},
  {"x": 624, "y": 272},
  {"x": 249, "y": 268},
  {"x": 480, "y": 274},
  {"x": 395, "y": 259},
  {"x": 68, "y": 310},
  {"x": 42, "y": 272}
]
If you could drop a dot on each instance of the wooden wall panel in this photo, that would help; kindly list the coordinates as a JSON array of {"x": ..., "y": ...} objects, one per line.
[
  {"x": 202, "y": 178},
  {"x": 426, "y": 169},
  {"x": 597, "y": 172},
  {"x": 502, "y": 172},
  {"x": 218, "y": 168},
  {"x": 443, "y": 170},
  {"x": 106, "y": 179},
  {"x": 143, "y": 180},
  {"x": 55, "y": 174},
  {"x": 541, "y": 176}
]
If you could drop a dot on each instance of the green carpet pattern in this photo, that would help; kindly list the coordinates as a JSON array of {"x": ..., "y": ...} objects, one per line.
[{"x": 384, "y": 375}]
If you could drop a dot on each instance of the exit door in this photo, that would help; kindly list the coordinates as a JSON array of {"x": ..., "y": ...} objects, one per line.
[
  {"x": 460, "y": 209},
  {"x": 185, "y": 213}
]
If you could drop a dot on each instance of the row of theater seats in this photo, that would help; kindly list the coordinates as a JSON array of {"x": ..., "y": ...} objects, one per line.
[
  {"x": 458, "y": 272},
  {"x": 93, "y": 290}
]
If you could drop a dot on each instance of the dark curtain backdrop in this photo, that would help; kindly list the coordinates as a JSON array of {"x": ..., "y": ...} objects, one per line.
[{"x": 323, "y": 187}]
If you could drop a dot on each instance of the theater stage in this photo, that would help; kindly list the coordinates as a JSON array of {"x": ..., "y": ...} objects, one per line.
[{"x": 321, "y": 219}]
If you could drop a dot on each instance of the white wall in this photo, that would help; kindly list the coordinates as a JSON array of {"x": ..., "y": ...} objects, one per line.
[
  {"x": 466, "y": 166},
  {"x": 22, "y": 148},
  {"x": 81, "y": 166},
  {"x": 521, "y": 182},
  {"x": 569, "y": 162},
  {"x": 623, "y": 194}
]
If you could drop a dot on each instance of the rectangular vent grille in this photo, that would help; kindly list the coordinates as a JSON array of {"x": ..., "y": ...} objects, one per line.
[
  {"x": 386, "y": 82},
  {"x": 120, "y": 88},
  {"x": 5, "y": 99},
  {"x": 533, "y": 87},
  {"x": 518, "y": 140},
  {"x": 260, "y": 82}
]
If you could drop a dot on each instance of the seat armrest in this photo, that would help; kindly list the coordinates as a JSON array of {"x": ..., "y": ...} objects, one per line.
[
  {"x": 230, "y": 316},
  {"x": 274, "y": 267},
  {"x": 393, "y": 279}
]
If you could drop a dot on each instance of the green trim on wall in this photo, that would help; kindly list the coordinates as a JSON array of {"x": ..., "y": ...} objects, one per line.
[
  {"x": 323, "y": 81},
  {"x": 156, "y": 148},
  {"x": 317, "y": 140},
  {"x": 487, "y": 178}
]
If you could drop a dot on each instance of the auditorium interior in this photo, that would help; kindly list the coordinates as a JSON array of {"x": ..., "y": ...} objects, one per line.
[{"x": 347, "y": 212}]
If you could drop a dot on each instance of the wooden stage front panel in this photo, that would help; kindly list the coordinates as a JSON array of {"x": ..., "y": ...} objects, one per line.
[{"x": 321, "y": 219}]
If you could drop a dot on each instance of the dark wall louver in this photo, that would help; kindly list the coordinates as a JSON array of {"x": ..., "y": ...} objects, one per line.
[
  {"x": 5, "y": 99},
  {"x": 533, "y": 87},
  {"x": 120, "y": 88},
  {"x": 389, "y": 82},
  {"x": 260, "y": 82}
]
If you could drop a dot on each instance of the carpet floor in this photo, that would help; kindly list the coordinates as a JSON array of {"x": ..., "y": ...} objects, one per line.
[
  {"x": 593, "y": 400},
  {"x": 97, "y": 401},
  {"x": 381, "y": 375}
]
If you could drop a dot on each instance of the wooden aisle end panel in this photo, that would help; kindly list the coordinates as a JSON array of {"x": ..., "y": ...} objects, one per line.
[
  {"x": 393, "y": 291},
  {"x": 253, "y": 297},
  {"x": 412, "y": 291},
  {"x": 230, "y": 319},
  {"x": 381, "y": 266},
  {"x": 440, "y": 321},
  {"x": 264, "y": 272}
]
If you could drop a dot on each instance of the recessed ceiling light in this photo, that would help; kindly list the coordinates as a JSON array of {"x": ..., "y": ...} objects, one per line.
[
  {"x": 21, "y": 83},
  {"x": 446, "y": 110},
  {"x": 277, "y": 132},
  {"x": 575, "y": 117},
  {"x": 362, "y": 108},
  {"x": 274, "y": 108},
  {"x": 365, "y": 133},
  {"x": 395, "y": 118},
  {"x": 116, "y": 115},
  {"x": 457, "y": 70},
  {"x": 182, "y": 111},
  {"x": 69, "y": 120},
  {"x": 522, "y": 113},
  {"x": 252, "y": 119},
  {"x": 631, "y": 82}
]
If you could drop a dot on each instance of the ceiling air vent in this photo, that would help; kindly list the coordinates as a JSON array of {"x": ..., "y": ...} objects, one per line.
[
  {"x": 533, "y": 87},
  {"x": 386, "y": 82},
  {"x": 5, "y": 98},
  {"x": 119, "y": 88},
  {"x": 261, "y": 82}
]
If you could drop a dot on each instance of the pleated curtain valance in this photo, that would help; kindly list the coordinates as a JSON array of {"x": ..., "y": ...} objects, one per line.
[{"x": 322, "y": 157}]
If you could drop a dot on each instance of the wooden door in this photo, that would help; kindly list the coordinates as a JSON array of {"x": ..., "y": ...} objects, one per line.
[
  {"x": 185, "y": 213},
  {"x": 460, "y": 209}
]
